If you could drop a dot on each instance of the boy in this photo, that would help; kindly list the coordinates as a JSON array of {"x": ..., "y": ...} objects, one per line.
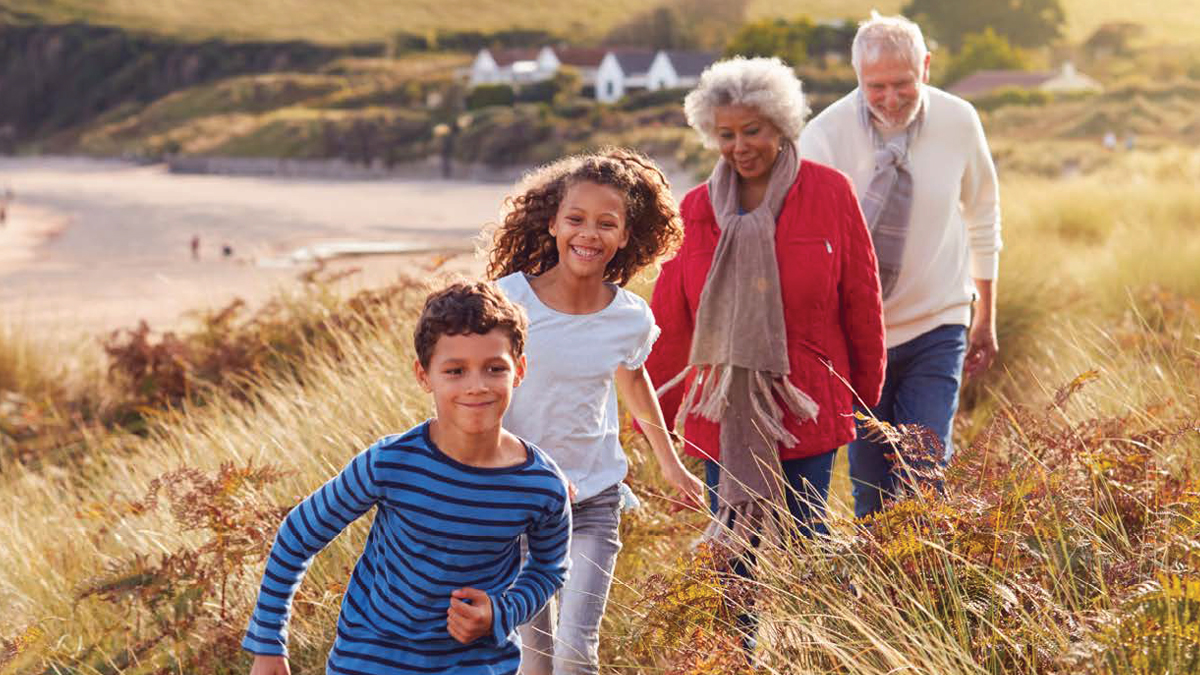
[{"x": 440, "y": 586}]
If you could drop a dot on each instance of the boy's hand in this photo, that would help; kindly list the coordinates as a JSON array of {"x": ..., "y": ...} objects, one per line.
[
  {"x": 270, "y": 665},
  {"x": 470, "y": 615}
]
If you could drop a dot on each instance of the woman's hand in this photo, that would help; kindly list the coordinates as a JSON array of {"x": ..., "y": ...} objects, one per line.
[{"x": 270, "y": 665}]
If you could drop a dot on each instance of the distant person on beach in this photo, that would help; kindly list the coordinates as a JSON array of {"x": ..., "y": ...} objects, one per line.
[
  {"x": 573, "y": 235},
  {"x": 195, "y": 246},
  {"x": 227, "y": 250},
  {"x": 442, "y": 584},
  {"x": 923, "y": 172}
]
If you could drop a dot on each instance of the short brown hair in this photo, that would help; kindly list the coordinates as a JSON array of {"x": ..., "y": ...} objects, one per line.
[
  {"x": 523, "y": 243},
  {"x": 468, "y": 308}
]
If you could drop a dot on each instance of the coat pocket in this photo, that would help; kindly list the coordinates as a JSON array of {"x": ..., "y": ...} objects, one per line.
[{"x": 808, "y": 276}]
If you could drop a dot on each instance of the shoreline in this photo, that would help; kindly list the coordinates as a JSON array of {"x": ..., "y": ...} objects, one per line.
[{"x": 25, "y": 229}]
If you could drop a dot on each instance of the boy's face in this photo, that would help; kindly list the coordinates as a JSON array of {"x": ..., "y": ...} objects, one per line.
[{"x": 471, "y": 378}]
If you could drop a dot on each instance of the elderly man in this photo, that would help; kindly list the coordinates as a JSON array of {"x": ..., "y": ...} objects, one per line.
[{"x": 925, "y": 179}]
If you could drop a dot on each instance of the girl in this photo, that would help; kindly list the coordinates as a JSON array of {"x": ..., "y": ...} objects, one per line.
[{"x": 574, "y": 234}]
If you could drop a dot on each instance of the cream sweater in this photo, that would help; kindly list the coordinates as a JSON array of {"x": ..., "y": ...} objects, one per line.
[{"x": 954, "y": 234}]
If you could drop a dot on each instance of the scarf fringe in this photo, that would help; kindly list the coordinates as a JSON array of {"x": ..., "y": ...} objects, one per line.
[{"x": 708, "y": 397}]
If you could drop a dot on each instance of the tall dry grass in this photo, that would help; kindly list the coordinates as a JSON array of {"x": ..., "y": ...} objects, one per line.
[{"x": 1065, "y": 541}]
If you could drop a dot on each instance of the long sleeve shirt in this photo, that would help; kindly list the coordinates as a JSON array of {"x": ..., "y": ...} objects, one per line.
[
  {"x": 440, "y": 525},
  {"x": 954, "y": 228}
]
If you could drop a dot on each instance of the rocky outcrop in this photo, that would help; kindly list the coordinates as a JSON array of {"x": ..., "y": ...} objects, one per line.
[{"x": 55, "y": 77}]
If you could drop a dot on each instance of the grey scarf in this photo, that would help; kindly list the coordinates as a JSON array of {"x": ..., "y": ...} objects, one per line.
[
  {"x": 887, "y": 201},
  {"x": 739, "y": 352}
]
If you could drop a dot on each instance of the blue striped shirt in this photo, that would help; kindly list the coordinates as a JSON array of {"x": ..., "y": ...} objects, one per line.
[{"x": 441, "y": 525}]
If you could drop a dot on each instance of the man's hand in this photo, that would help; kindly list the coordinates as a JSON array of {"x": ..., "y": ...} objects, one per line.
[
  {"x": 470, "y": 615},
  {"x": 981, "y": 348},
  {"x": 270, "y": 665}
]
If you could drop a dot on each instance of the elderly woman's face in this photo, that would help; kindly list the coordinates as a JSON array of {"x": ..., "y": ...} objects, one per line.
[{"x": 747, "y": 140}]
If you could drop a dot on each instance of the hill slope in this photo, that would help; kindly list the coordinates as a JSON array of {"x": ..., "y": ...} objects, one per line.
[{"x": 1171, "y": 21}]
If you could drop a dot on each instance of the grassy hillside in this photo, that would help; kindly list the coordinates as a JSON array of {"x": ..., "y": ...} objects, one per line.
[{"x": 1170, "y": 21}]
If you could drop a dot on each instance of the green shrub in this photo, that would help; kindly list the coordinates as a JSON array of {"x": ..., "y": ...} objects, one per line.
[
  {"x": 773, "y": 37},
  {"x": 984, "y": 51},
  {"x": 486, "y": 95},
  {"x": 1012, "y": 96},
  {"x": 649, "y": 99}
]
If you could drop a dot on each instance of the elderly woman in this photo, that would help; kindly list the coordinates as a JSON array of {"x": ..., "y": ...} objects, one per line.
[{"x": 770, "y": 312}]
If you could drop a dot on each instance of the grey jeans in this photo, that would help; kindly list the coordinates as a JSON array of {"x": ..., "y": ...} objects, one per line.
[{"x": 567, "y": 641}]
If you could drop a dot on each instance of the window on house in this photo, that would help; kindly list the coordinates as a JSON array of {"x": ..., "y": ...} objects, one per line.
[{"x": 609, "y": 89}]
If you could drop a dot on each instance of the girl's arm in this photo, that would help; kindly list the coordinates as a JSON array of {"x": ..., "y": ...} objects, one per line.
[
  {"x": 307, "y": 529},
  {"x": 638, "y": 394}
]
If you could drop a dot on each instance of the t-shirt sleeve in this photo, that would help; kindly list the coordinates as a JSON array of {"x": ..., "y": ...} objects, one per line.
[{"x": 646, "y": 336}]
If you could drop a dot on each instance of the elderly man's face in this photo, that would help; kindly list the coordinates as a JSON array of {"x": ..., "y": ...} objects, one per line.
[
  {"x": 747, "y": 140},
  {"x": 892, "y": 86}
]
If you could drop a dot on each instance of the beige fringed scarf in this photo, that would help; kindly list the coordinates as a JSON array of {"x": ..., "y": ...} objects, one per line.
[{"x": 740, "y": 357}]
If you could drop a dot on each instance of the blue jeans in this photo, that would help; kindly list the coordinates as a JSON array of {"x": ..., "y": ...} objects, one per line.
[
  {"x": 563, "y": 638},
  {"x": 920, "y": 387},
  {"x": 808, "y": 479}
]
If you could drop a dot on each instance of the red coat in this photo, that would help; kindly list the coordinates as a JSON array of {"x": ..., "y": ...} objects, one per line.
[{"x": 831, "y": 305}]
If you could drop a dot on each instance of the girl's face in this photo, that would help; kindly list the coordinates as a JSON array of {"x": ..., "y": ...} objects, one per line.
[
  {"x": 747, "y": 140},
  {"x": 589, "y": 228}
]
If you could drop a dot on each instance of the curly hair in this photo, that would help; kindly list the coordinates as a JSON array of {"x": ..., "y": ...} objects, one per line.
[
  {"x": 766, "y": 84},
  {"x": 468, "y": 308},
  {"x": 523, "y": 243}
]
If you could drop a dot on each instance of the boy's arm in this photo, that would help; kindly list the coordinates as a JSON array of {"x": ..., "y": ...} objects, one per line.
[
  {"x": 307, "y": 529},
  {"x": 544, "y": 572}
]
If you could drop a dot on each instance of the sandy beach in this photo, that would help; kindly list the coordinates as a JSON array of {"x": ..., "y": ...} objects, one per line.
[
  {"x": 94, "y": 245},
  {"x": 23, "y": 230}
]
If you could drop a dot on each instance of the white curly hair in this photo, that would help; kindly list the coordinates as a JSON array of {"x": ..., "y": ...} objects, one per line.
[{"x": 766, "y": 84}]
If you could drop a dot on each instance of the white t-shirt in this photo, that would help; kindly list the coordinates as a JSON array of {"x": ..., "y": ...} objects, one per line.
[{"x": 567, "y": 403}]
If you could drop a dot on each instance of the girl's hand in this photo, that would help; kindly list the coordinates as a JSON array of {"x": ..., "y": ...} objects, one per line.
[
  {"x": 691, "y": 489},
  {"x": 470, "y": 615},
  {"x": 270, "y": 665}
]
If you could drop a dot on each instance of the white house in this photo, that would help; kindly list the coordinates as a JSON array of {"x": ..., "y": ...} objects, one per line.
[
  {"x": 674, "y": 69},
  {"x": 519, "y": 66},
  {"x": 512, "y": 66},
  {"x": 621, "y": 71},
  {"x": 585, "y": 60}
]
